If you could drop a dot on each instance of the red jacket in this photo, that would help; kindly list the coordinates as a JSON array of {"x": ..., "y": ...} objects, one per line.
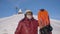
[{"x": 27, "y": 26}]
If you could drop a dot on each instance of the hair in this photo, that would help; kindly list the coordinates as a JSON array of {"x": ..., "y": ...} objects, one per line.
[{"x": 42, "y": 9}]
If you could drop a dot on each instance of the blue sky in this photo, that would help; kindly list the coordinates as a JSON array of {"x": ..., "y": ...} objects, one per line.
[{"x": 8, "y": 7}]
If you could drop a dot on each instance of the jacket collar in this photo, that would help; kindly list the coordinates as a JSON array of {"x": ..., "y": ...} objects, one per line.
[{"x": 29, "y": 19}]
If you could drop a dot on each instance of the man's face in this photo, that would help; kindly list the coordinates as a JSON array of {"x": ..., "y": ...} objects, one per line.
[{"x": 29, "y": 15}]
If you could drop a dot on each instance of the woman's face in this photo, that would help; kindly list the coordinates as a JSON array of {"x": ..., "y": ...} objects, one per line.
[{"x": 29, "y": 15}]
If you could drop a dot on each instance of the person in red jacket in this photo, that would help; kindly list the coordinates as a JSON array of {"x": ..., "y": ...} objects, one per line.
[{"x": 28, "y": 25}]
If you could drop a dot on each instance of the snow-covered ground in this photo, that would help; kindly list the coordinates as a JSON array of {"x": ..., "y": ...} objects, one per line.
[{"x": 9, "y": 24}]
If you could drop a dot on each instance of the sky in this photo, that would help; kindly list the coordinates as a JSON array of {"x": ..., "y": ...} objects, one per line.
[{"x": 8, "y": 7}]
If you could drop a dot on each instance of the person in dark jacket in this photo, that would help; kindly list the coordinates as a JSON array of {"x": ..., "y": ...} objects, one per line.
[{"x": 28, "y": 25}]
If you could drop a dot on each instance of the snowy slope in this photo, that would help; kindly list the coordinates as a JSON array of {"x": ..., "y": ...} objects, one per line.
[{"x": 9, "y": 24}]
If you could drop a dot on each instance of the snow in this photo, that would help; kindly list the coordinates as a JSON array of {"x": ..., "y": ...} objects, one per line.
[
  {"x": 9, "y": 24},
  {"x": 20, "y": 10}
]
